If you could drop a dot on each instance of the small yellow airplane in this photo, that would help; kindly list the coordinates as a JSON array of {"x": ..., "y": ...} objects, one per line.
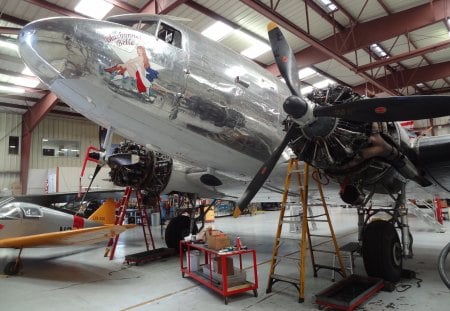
[{"x": 24, "y": 224}]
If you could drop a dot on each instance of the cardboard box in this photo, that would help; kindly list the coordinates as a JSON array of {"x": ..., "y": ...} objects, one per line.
[
  {"x": 218, "y": 265},
  {"x": 237, "y": 279},
  {"x": 217, "y": 240}
]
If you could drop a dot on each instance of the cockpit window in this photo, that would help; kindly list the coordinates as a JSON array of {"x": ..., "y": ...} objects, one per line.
[
  {"x": 31, "y": 211},
  {"x": 149, "y": 27},
  {"x": 169, "y": 35},
  {"x": 10, "y": 211}
]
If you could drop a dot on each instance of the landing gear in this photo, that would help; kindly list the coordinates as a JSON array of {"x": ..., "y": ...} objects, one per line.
[
  {"x": 382, "y": 251},
  {"x": 13, "y": 267},
  {"x": 177, "y": 229}
]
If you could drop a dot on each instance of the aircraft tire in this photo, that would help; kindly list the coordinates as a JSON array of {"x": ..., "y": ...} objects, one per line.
[
  {"x": 177, "y": 229},
  {"x": 382, "y": 251},
  {"x": 11, "y": 268}
]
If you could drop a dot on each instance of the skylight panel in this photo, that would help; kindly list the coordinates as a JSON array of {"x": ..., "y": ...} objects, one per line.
[
  {"x": 217, "y": 31},
  {"x": 306, "y": 72},
  {"x": 257, "y": 47},
  {"x": 328, "y": 5},
  {"x": 323, "y": 83},
  {"x": 94, "y": 8}
]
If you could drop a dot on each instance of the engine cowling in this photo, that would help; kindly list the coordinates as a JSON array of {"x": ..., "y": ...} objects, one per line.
[
  {"x": 150, "y": 174},
  {"x": 331, "y": 143}
]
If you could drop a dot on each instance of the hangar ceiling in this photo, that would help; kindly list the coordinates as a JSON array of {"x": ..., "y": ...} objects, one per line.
[{"x": 377, "y": 47}]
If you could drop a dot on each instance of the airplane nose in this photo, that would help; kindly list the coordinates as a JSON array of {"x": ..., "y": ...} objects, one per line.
[{"x": 62, "y": 47}]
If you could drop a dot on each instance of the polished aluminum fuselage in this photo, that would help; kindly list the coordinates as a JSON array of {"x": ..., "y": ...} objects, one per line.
[
  {"x": 206, "y": 105},
  {"x": 183, "y": 94}
]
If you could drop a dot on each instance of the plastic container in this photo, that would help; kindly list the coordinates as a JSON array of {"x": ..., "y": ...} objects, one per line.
[
  {"x": 194, "y": 260},
  {"x": 155, "y": 219}
]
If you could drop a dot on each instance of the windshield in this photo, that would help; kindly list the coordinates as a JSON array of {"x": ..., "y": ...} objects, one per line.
[
  {"x": 10, "y": 211},
  {"x": 16, "y": 210}
]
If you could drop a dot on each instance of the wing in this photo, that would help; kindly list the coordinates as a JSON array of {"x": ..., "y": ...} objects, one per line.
[
  {"x": 191, "y": 179},
  {"x": 71, "y": 237},
  {"x": 49, "y": 199},
  {"x": 434, "y": 158}
]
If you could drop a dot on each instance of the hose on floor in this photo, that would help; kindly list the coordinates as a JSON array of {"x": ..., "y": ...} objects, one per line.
[{"x": 441, "y": 265}]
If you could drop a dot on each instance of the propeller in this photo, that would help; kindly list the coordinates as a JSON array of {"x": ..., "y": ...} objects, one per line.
[
  {"x": 263, "y": 173},
  {"x": 387, "y": 109},
  {"x": 305, "y": 112},
  {"x": 294, "y": 106},
  {"x": 97, "y": 155}
]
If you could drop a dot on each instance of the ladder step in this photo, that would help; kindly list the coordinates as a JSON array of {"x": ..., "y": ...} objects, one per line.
[
  {"x": 291, "y": 221},
  {"x": 317, "y": 220},
  {"x": 285, "y": 279}
]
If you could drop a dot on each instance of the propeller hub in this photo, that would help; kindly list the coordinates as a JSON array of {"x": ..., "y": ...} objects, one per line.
[
  {"x": 295, "y": 106},
  {"x": 299, "y": 109}
]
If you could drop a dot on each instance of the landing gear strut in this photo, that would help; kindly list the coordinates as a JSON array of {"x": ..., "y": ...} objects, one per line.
[
  {"x": 13, "y": 267},
  {"x": 182, "y": 225},
  {"x": 382, "y": 251}
]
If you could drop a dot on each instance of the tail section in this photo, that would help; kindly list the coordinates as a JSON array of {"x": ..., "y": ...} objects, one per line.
[{"x": 106, "y": 213}]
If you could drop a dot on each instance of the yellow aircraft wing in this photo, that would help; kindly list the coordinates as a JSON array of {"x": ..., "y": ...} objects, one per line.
[{"x": 70, "y": 237}]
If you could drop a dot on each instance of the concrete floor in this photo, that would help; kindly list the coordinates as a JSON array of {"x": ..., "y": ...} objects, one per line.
[{"x": 80, "y": 278}]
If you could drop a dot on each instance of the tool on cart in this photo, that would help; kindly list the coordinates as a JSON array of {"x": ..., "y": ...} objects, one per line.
[{"x": 299, "y": 283}]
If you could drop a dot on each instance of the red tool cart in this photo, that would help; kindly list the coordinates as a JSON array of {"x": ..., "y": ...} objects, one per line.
[{"x": 215, "y": 269}]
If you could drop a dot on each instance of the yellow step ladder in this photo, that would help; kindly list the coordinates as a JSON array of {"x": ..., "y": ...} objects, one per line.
[{"x": 299, "y": 283}]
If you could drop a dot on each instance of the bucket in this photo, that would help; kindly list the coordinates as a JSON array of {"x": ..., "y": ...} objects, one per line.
[
  {"x": 155, "y": 219},
  {"x": 194, "y": 263}
]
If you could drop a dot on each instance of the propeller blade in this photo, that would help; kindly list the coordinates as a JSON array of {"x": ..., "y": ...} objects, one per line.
[
  {"x": 386, "y": 109},
  {"x": 263, "y": 173},
  {"x": 97, "y": 169},
  {"x": 102, "y": 131},
  {"x": 284, "y": 57}
]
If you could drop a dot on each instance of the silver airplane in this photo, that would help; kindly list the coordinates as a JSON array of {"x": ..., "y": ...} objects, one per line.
[
  {"x": 186, "y": 100},
  {"x": 24, "y": 224}
]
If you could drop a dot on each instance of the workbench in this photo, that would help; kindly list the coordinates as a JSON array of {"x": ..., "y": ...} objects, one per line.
[{"x": 219, "y": 281}]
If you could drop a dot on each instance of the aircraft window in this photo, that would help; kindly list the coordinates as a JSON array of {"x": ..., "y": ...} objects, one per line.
[
  {"x": 10, "y": 211},
  {"x": 149, "y": 27},
  {"x": 170, "y": 35},
  {"x": 31, "y": 211}
]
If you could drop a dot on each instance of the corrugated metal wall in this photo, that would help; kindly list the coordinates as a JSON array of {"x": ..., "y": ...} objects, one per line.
[
  {"x": 10, "y": 125},
  {"x": 52, "y": 127}
]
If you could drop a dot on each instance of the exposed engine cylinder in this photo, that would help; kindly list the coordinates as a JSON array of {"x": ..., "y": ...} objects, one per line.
[
  {"x": 331, "y": 143},
  {"x": 151, "y": 173}
]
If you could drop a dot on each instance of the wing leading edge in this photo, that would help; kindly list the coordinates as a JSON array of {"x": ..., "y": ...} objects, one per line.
[{"x": 70, "y": 237}]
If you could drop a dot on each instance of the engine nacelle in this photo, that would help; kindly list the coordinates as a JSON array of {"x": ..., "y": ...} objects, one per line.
[
  {"x": 329, "y": 143},
  {"x": 356, "y": 154},
  {"x": 151, "y": 173}
]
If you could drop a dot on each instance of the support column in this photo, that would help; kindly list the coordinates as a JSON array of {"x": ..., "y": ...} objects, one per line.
[{"x": 30, "y": 120}]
